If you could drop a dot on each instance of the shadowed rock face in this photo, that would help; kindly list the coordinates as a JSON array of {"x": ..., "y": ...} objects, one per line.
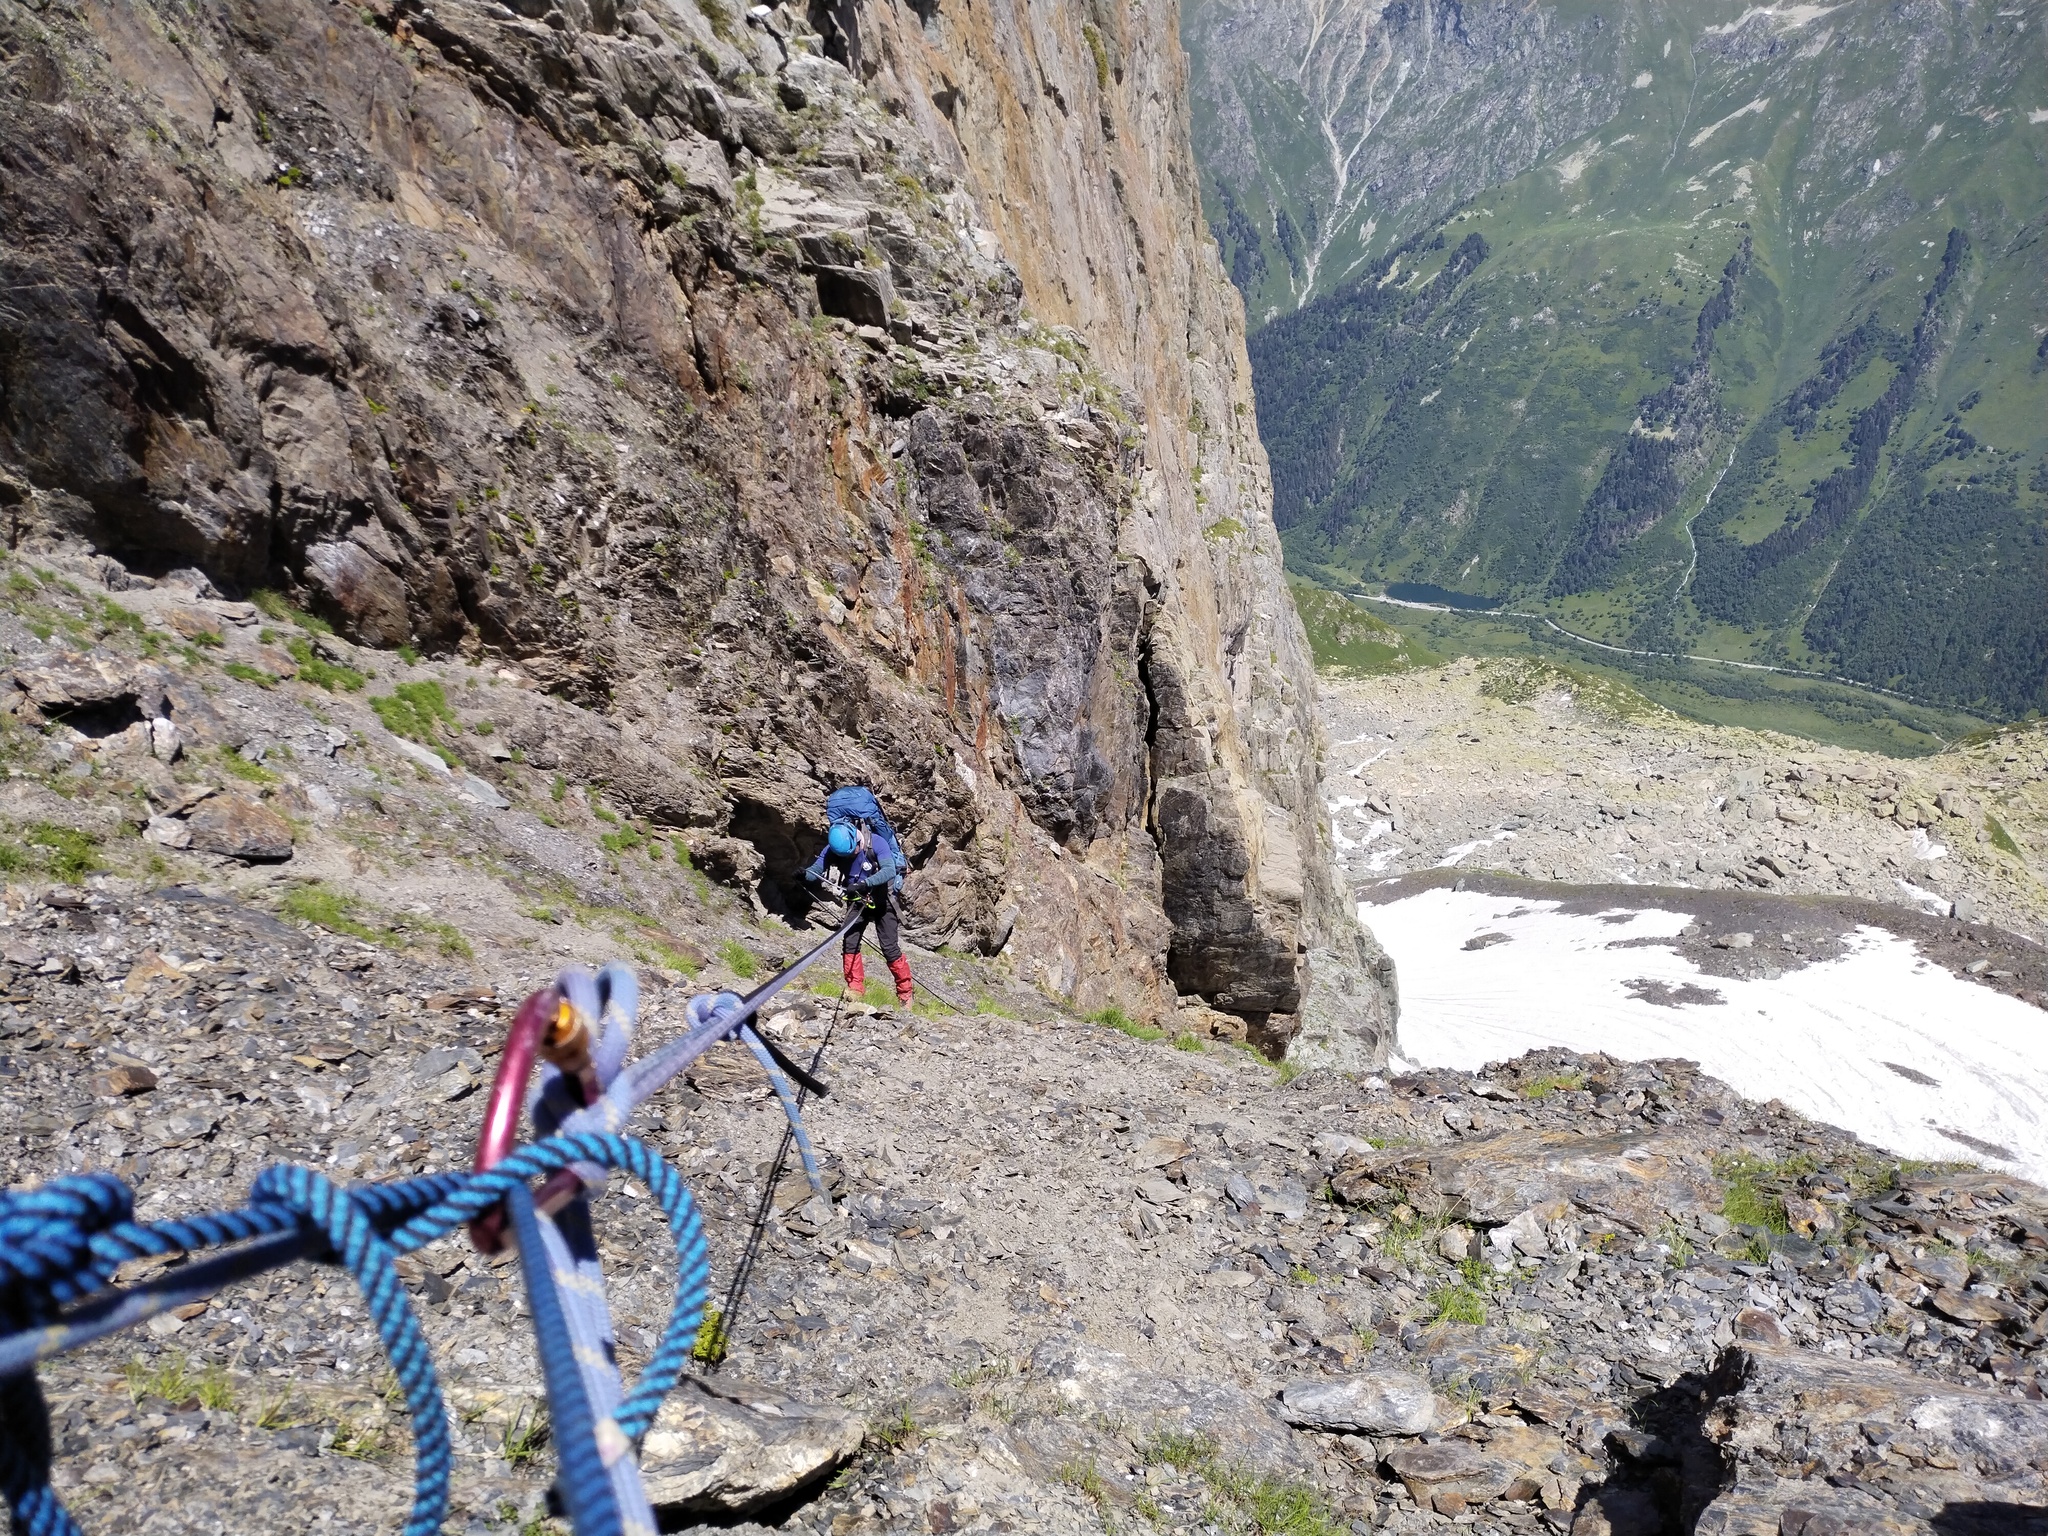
[{"x": 709, "y": 381}]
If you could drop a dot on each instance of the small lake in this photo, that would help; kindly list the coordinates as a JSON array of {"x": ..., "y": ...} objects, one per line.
[{"x": 1423, "y": 592}]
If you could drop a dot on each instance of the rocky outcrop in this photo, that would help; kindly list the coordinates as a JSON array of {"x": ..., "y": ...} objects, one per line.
[
  {"x": 1069, "y": 122},
  {"x": 817, "y": 397}
]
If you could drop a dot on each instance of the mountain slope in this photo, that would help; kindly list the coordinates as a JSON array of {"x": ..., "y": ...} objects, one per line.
[
  {"x": 1754, "y": 368},
  {"x": 685, "y": 358}
]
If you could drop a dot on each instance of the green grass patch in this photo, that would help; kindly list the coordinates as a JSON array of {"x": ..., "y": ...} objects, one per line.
[
  {"x": 1113, "y": 1017},
  {"x": 893, "y": 1431},
  {"x": 414, "y": 710},
  {"x": 1260, "y": 1503},
  {"x": 1753, "y": 1189},
  {"x": 237, "y": 766},
  {"x": 742, "y": 961},
  {"x": 275, "y": 605},
  {"x": 1085, "y": 1478},
  {"x": 64, "y": 852},
  {"x": 325, "y": 907},
  {"x": 1522, "y": 679},
  {"x": 1553, "y": 1082},
  {"x": 1348, "y": 639},
  {"x": 174, "y": 1379},
  {"x": 2001, "y": 839},
  {"x": 711, "y": 1340},
  {"x": 321, "y": 673},
  {"x": 1459, "y": 1303},
  {"x": 249, "y": 674},
  {"x": 526, "y": 1436}
]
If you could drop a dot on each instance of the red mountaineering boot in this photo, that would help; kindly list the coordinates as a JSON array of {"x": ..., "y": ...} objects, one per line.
[
  {"x": 900, "y": 969},
  {"x": 856, "y": 974}
]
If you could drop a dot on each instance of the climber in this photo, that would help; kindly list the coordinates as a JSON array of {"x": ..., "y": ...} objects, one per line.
[{"x": 863, "y": 857}]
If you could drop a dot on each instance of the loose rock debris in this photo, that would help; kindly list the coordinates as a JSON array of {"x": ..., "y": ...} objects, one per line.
[{"x": 1073, "y": 1277}]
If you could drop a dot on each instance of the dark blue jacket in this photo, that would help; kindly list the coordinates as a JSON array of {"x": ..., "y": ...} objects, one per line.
[{"x": 873, "y": 870}]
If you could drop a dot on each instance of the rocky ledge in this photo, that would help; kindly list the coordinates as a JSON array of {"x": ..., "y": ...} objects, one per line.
[{"x": 1071, "y": 1279}]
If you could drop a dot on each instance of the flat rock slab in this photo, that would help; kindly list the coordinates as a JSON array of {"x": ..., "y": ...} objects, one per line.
[
  {"x": 76, "y": 683},
  {"x": 1379, "y": 1403},
  {"x": 731, "y": 1449},
  {"x": 1451, "y": 1474},
  {"x": 1812, "y": 1507},
  {"x": 1243, "y": 1427},
  {"x": 1635, "y": 1177},
  {"x": 240, "y": 829},
  {"x": 1766, "y": 1389},
  {"x": 1946, "y": 1444}
]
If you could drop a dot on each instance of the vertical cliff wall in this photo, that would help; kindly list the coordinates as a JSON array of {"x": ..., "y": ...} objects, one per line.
[
  {"x": 1069, "y": 123},
  {"x": 851, "y": 394}
]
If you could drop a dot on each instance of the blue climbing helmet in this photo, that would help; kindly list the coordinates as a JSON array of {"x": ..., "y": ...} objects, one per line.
[{"x": 841, "y": 838}]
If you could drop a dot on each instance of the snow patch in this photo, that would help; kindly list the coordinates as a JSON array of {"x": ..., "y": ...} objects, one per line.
[
  {"x": 1925, "y": 847},
  {"x": 1937, "y": 904},
  {"x": 1573, "y": 165},
  {"x": 1454, "y": 856},
  {"x": 1818, "y": 1037},
  {"x": 1762, "y": 103},
  {"x": 1783, "y": 18},
  {"x": 1642, "y": 81}
]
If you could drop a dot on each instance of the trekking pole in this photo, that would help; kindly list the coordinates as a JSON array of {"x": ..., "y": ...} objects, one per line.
[{"x": 757, "y": 1233}]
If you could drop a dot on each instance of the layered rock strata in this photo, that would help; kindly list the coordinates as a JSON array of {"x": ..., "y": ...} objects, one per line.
[{"x": 845, "y": 396}]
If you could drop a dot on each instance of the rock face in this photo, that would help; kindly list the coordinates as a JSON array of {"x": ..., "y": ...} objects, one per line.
[
  {"x": 773, "y": 385},
  {"x": 1921, "y": 1455},
  {"x": 1386, "y": 1402},
  {"x": 735, "y": 1449},
  {"x": 239, "y": 828},
  {"x": 1021, "y": 98}
]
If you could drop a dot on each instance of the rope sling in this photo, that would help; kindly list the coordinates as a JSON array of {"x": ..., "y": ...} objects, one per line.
[{"x": 62, "y": 1243}]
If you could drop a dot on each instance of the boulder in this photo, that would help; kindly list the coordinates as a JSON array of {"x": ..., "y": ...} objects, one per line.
[
  {"x": 1376, "y": 1403},
  {"x": 1619, "y": 1512},
  {"x": 76, "y": 684},
  {"x": 1636, "y": 1178},
  {"x": 1451, "y": 1474},
  {"x": 697, "y": 165},
  {"x": 729, "y": 1449},
  {"x": 366, "y": 598},
  {"x": 1108, "y": 1387},
  {"x": 240, "y": 829},
  {"x": 1781, "y": 1412}
]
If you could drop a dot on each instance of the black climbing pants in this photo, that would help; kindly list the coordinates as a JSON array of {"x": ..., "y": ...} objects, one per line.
[{"x": 882, "y": 913}]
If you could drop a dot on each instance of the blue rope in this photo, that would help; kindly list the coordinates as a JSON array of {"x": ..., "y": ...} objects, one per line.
[
  {"x": 63, "y": 1241},
  {"x": 586, "y": 1486}
]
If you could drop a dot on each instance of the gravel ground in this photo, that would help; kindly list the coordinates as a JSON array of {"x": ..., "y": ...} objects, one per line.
[{"x": 1073, "y": 1278}]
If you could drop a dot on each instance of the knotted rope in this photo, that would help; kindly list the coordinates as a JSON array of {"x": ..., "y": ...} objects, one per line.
[{"x": 64, "y": 1241}]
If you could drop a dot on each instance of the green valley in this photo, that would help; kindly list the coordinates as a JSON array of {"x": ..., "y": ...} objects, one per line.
[{"x": 1735, "y": 343}]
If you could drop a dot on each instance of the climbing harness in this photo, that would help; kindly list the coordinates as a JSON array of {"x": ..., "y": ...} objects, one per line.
[{"x": 62, "y": 1243}]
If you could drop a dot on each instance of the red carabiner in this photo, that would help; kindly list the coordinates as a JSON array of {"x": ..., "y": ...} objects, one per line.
[{"x": 500, "y": 1131}]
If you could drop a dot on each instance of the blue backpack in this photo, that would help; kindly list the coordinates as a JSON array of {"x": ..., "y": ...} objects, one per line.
[{"x": 857, "y": 803}]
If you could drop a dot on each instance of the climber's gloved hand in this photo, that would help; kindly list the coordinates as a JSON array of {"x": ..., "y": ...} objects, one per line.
[{"x": 707, "y": 1006}]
